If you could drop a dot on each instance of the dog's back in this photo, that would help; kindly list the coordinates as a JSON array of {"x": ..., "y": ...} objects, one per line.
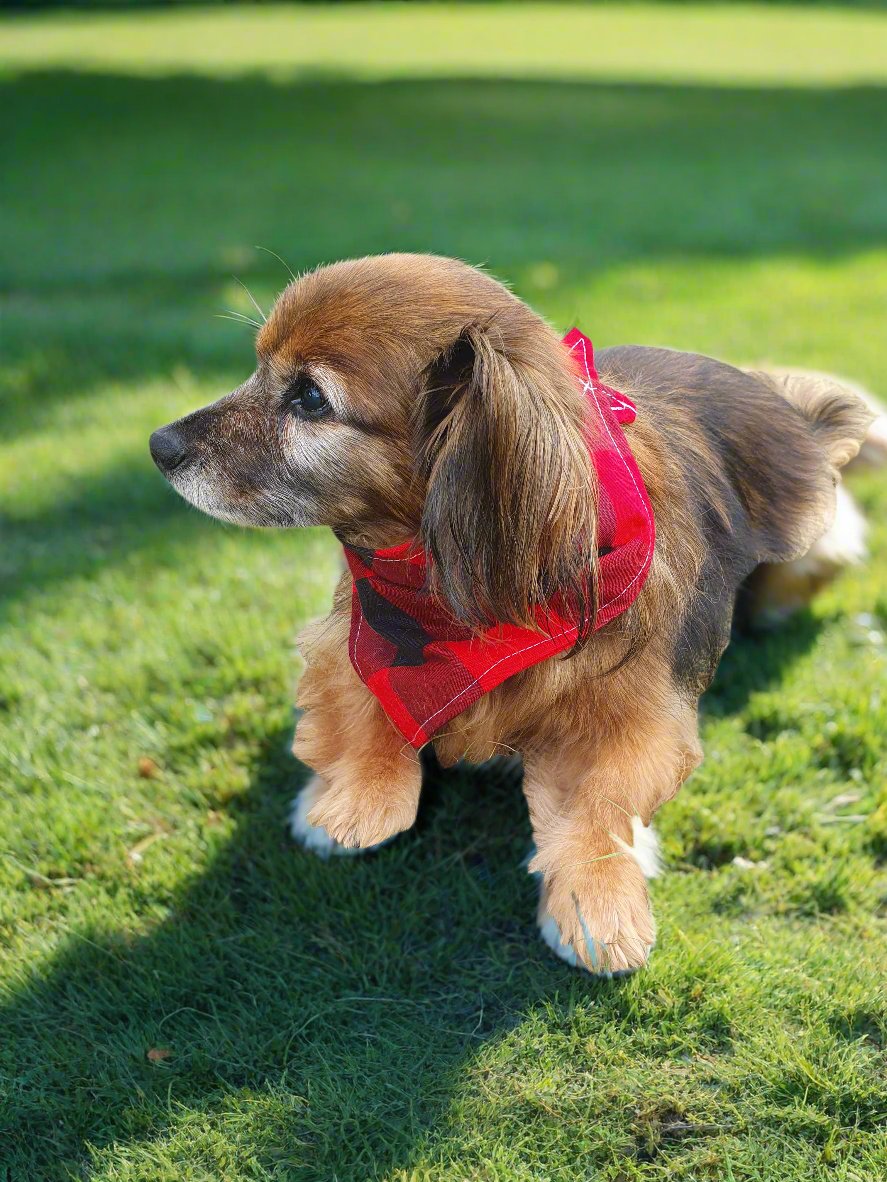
[{"x": 758, "y": 458}]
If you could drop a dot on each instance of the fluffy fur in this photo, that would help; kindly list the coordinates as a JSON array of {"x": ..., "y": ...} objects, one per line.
[{"x": 453, "y": 415}]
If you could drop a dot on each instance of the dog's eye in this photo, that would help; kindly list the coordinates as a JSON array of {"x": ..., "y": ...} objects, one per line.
[{"x": 305, "y": 399}]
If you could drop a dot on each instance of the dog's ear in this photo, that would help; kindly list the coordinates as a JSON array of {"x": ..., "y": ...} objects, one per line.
[{"x": 509, "y": 515}]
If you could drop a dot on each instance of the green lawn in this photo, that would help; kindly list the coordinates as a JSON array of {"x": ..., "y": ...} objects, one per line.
[{"x": 674, "y": 176}]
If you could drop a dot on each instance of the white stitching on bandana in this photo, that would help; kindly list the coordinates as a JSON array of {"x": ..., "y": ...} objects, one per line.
[{"x": 476, "y": 681}]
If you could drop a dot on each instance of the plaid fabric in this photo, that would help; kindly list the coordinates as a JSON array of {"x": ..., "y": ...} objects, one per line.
[{"x": 422, "y": 665}]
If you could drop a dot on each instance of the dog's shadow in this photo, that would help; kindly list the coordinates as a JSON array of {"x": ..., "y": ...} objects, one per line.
[{"x": 334, "y": 1002}]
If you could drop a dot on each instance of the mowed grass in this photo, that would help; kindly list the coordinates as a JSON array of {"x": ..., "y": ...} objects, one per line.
[
  {"x": 658, "y": 42},
  {"x": 185, "y": 995}
]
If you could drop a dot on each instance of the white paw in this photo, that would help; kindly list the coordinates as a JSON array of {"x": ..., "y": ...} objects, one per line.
[
  {"x": 598, "y": 956},
  {"x": 551, "y": 935},
  {"x": 644, "y": 850},
  {"x": 313, "y": 837}
]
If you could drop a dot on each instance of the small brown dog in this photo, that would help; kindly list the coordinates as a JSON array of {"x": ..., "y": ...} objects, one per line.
[{"x": 410, "y": 396}]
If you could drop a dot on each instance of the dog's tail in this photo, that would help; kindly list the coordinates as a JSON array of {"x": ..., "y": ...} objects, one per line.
[
  {"x": 847, "y": 419},
  {"x": 852, "y": 429}
]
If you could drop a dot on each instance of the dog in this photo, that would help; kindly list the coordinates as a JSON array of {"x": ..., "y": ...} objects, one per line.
[{"x": 427, "y": 415}]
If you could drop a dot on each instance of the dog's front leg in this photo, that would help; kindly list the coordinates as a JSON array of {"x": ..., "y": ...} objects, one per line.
[
  {"x": 591, "y": 810},
  {"x": 367, "y": 780}
]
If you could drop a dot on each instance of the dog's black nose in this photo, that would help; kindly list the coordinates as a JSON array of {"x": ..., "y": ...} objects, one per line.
[{"x": 167, "y": 449}]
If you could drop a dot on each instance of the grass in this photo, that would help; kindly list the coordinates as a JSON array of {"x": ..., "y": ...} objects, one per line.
[
  {"x": 739, "y": 43},
  {"x": 183, "y": 995}
]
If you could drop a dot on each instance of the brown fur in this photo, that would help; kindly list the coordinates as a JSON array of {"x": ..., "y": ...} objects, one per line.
[
  {"x": 509, "y": 510},
  {"x": 456, "y": 418},
  {"x": 374, "y": 780}
]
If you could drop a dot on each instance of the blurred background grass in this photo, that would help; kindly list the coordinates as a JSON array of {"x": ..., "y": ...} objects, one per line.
[{"x": 709, "y": 177}]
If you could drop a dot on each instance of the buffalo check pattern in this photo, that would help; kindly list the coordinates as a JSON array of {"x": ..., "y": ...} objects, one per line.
[{"x": 425, "y": 667}]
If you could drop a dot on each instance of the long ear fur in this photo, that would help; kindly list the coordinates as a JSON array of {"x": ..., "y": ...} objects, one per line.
[{"x": 509, "y": 514}]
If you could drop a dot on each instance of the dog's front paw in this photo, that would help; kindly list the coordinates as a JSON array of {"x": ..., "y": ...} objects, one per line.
[
  {"x": 606, "y": 941},
  {"x": 597, "y": 915},
  {"x": 360, "y": 815},
  {"x": 313, "y": 837}
]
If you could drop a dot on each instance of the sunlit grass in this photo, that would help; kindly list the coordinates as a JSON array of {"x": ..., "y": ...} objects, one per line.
[
  {"x": 396, "y": 1017},
  {"x": 725, "y": 45}
]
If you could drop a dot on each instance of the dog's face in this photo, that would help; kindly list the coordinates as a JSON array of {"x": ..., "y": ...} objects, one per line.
[
  {"x": 318, "y": 434},
  {"x": 322, "y": 432},
  {"x": 406, "y": 395}
]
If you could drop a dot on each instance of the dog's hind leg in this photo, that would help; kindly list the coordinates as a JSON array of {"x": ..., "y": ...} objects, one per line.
[{"x": 591, "y": 810}]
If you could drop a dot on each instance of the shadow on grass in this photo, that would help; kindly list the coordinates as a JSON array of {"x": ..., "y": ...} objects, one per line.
[{"x": 336, "y": 1001}]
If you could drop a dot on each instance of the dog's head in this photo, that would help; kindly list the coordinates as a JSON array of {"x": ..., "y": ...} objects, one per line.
[{"x": 401, "y": 396}]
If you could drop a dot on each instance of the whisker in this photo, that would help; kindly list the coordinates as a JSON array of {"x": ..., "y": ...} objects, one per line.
[
  {"x": 243, "y": 316},
  {"x": 238, "y": 318},
  {"x": 285, "y": 265},
  {"x": 252, "y": 298},
  {"x": 240, "y": 315}
]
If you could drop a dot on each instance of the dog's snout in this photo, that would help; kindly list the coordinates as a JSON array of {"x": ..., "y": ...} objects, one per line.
[{"x": 168, "y": 449}]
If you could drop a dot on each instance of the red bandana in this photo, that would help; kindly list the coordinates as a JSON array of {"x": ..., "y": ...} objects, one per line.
[{"x": 425, "y": 667}]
